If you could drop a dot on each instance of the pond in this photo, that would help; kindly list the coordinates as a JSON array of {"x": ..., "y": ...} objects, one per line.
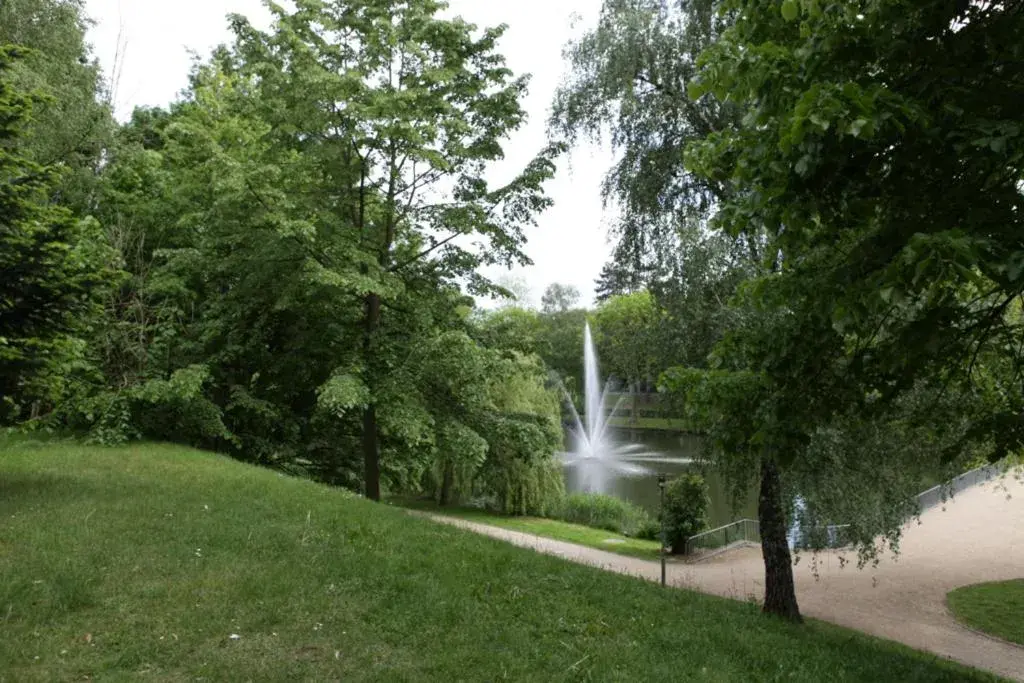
[{"x": 677, "y": 449}]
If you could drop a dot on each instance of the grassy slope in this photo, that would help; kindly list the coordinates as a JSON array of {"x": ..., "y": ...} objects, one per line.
[
  {"x": 549, "y": 528},
  {"x": 145, "y": 559},
  {"x": 996, "y": 608}
]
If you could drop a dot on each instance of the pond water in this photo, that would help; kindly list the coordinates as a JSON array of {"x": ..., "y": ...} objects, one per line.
[{"x": 676, "y": 450}]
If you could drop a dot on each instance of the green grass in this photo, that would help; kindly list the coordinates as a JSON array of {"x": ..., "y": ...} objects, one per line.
[
  {"x": 141, "y": 562},
  {"x": 549, "y": 528},
  {"x": 995, "y": 608}
]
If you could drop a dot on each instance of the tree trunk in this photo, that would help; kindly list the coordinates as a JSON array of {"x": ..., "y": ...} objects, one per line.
[
  {"x": 447, "y": 483},
  {"x": 371, "y": 442},
  {"x": 371, "y": 453},
  {"x": 779, "y": 590}
]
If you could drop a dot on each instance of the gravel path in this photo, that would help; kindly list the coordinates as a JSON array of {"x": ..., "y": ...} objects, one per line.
[{"x": 978, "y": 536}]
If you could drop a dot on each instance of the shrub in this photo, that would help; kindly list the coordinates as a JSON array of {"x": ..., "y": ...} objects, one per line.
[
  {"x": 686, "y": 510},
  {"x": 650, "y": 530},
  {"x": 604, "y": 512}
]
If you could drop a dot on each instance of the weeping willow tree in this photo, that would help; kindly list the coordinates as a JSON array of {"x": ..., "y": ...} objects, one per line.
[{"x": 497, "y": 427}]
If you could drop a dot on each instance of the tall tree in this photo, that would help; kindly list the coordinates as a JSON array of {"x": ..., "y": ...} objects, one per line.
[
  {"x": 624, "y": 329},
  {"x": 895, "y": 200},
  {"x": 892, "y": 208},
  {"x": 628, "y": 77},
  {"x": 358, "y": 135},
  {"x": 73, "y": 124},
  {"x": 50, "y": 262},
  {"x": 632, "y": 74},
  {"x": 559, "y": 298}
]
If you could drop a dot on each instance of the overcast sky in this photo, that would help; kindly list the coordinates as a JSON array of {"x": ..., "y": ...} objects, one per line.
[{"x": 569, "y": 243}]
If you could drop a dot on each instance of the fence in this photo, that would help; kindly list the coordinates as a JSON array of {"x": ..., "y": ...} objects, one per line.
[
  {"x": 741, "y": 530},
  {"x": 834, "y": 535},
  {"x": 937, "y": 495}
]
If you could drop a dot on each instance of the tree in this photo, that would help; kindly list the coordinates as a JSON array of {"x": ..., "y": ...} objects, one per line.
[
  {"x": 407, "y": 111},
  {"x": 629, "y": 76},
  {"x": 685, "y": 510},
  {"x": 560, "y": 345},
  {"x": 616, "y": 279},
  {"x": 559, "y": 298},
  {"x": 72, "y": 124},
  {"x": 50, "y": 262},
  {"x": 514, "y": 291},
  {"x": 923, "y": 276},
  {"x": 693, "y": 290},
  {"x": 922, "y": 281},
  {"x": 298, "y": 229},
  {"x": 624, "y": 329},
  {"x": 892, "y": 210}
]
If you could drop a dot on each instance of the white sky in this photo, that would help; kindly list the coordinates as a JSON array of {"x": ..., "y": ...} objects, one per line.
[{"x": 569, "y": 243}]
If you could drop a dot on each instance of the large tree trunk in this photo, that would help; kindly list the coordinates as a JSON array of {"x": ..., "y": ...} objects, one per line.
[
  {"x": 779, "y": 590},
  {"x": 371, "y": 442}
]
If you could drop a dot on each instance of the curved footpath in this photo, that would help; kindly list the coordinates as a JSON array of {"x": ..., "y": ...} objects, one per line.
[{"x": 977, "y": 537}]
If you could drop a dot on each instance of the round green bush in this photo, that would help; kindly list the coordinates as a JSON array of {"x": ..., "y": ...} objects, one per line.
[
  {"x": 686, "y": 510},
  {"x": 650, "y": 530}
]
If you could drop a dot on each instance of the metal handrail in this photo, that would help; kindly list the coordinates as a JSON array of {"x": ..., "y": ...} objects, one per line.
[
  {"x": 938, "y": 493},
  {"x": 719, "y": 528},
  {"x": 747, "y": 530}
]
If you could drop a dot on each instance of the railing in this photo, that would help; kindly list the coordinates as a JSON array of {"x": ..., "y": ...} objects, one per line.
[
  {"x": 741, "y": 530},
  {"x": 939, "y": 494},
  {"x": 834, "y": 535}
]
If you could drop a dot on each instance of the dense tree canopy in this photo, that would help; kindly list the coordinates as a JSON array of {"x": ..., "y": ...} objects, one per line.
[
  {"x": 71, "y": 123},
  {"x": 50, "y": 261},
  {"x": 298, "y": 236}
]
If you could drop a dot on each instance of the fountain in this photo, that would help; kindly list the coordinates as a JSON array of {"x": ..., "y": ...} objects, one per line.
[{"x": 595, "y": 456}]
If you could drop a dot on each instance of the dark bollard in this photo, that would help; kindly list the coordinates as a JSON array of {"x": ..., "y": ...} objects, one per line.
[{"x": 661, "y": 515}]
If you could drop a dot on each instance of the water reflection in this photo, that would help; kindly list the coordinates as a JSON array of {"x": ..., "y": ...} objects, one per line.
[{"x": 671, "y": 454}]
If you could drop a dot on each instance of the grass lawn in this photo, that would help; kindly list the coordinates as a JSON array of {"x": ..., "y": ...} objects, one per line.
[
  {"x": 159, "y": 562},
  {"x": 996, "y": 608},
  {"x": 549, "y": 528}
]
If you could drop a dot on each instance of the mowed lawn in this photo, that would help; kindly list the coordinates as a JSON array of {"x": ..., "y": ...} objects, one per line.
[
  {"x": 157, "y": 562},
  {"x": 997, "y": 608},
  {"x": 548, "y": 528}
]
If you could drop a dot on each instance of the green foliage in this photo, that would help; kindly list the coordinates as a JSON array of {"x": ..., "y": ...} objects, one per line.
[
  {"x": 72, "y": 124},
  {"x": 51, "y": 268},
  {"x": 847, "y": 296},
  {"x": 890, "y": 278},
  {"x": 341, "y": 393},
  {"x": 606, "y": 512},
  {"x": 293, "y": 287},
  {"x": 559, "y": 298},
  {"x": 649, "y": 530},
  {"x": 686, "y": 510},
  {"x": 174, "y": 409},
  {"x": 509, "y": 328},
  {"x": 560, "y": 345},
  {"x": 630, "y": 74},
  {"x": 627, "y": 85},
  {"x": 624, "y": 329},
  {"x": 521, "y": 487},
  {"x": 489, "y": 427}
]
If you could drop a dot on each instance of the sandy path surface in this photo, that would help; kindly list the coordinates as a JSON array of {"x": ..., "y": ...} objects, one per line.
[{"x": 978, "y": 536}]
